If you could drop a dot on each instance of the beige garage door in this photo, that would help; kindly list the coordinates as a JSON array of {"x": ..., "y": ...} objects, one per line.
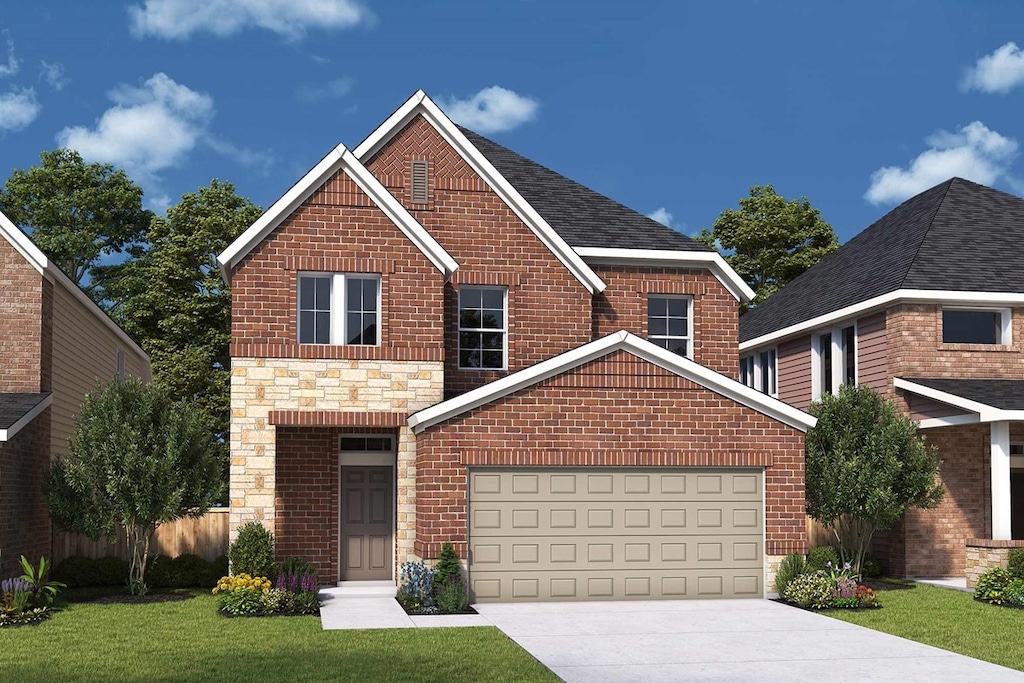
[{"x": 615, "y": 534}]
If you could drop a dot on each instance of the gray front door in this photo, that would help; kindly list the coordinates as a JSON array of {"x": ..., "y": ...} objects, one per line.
[{"x": 367, "y": 523}]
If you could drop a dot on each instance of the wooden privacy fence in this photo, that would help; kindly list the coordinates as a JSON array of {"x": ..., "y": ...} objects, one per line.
[
  {"x": 206, "y": 537},
  {"x": 818, "y": 535}
]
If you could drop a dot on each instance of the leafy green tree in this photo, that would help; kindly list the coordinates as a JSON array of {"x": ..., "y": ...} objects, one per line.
[
  {"x": 137, "y": 460},
  {"x": 172, "y": 298},
  {"x": 866, "y": 465},
  {"x": 770, "y": 240},
  {"x": 77, "y": 212}
]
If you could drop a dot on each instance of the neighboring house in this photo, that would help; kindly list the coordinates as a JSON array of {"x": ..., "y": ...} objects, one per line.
[
  {"x": 56, "y": 345},
  {"x": 926, "y": 306},
  {"x": 435, "y": 339}
]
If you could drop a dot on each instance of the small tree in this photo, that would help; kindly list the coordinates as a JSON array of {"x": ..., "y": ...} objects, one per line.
[
  {"x": 866, "y": 466},
  {"x": 137, "y": 460}
]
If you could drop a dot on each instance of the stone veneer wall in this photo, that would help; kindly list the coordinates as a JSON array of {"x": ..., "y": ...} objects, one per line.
[
  {"x": 262, "y": 385},
  {"x": 984, "y": 554}
]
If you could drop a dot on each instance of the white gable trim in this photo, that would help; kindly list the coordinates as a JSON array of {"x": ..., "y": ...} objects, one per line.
[
  {"x": 984, "y": 412},
  {"x": 711, "y": 260},
  {"x": 420, "y": 104},
  {"x": 37, "y": 259},
  {"x": 8, "y": 434},
  {"x": 684, "y": 367},
  {"x": 342, "y": 159},
  {"x": 909, "y": 296}
]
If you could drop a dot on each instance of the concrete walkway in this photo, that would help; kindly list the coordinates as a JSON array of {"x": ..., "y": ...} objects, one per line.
[{"x": 372, "y": 604}]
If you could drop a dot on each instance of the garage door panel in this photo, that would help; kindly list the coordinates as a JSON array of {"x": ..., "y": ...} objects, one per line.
[{"x": 615, "y": 534}]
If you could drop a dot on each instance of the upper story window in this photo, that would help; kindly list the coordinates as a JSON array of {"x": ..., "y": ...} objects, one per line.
[
  {"x": 760, "y": 372},
  {"x": 833, "y": 359},
  {"x": 339, "y": 308},
  {"x": 974, "y": 326},
  {"x": 483, "y": 327},
  {"x": 670, "y": 323},
  {"x": 119, "y": 370}
]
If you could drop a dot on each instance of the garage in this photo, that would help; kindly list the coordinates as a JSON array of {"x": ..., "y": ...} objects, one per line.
[{"x": 559, "y": 533}]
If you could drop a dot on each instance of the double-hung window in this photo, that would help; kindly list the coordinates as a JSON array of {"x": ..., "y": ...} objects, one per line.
[
  {"x": 670, "y": 323},
  {"x": 339, "y": 309},
  {"x": 483, "y": 327},
  {"x": 834, "y": 359}
]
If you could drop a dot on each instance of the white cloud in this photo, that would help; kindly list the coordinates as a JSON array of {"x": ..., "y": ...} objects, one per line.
[
  {"x": 18, "y": 108},
  {"x": 150, "y": 128},
  {"x": 53, "y": 74},
  {"x": 12, "y": 65},
  {"x": 973, "y": 152},
  {"x": 243, "y": 156},
  {"x": 179, "y": 19},
  {"x": 331, "y": 90},
  {"x": 665, "y": 217},
  {"x": 998, "y": 72},
  {"x": 492, "y": 110}
]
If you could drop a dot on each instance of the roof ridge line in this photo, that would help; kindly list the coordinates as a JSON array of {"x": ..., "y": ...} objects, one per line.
[{"x": 931, "y": 224}]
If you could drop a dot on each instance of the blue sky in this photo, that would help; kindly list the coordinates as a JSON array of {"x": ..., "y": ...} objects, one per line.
[{"x": 672, "y": 106}]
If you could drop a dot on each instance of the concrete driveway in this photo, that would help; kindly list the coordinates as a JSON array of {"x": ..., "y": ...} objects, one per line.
[{"x": 722, "y": 640}]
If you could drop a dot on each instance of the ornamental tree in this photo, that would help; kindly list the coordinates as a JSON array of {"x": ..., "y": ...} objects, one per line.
[
  {"x": 137, "y": 460},
  {"x": 866, "y": 466}
]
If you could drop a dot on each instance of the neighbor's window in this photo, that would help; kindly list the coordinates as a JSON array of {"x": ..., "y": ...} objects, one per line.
[
  {"x": 962, "y": 326},
  {"x": 482, "y": 327},
  {"x": 825, "y": 363},
  {"x": 668, "y": 323},
  {"x": 747, "y": 371},
  {"x": 834, "y": 359},
  {"x": 766, "y": 362},
  {"x": 119, "y": 365},
  {"x": 339, "y": 308}
]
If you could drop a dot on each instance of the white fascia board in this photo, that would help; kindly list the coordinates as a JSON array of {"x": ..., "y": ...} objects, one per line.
[
  {"x": 22, "y": 244},
  {"x": 623, "y": 340},
  {"x": 984, "y": 412},
  {"x": 419, "y": 103},
  {"x": 672, "y": 258},
  {"x": 337, "y": 159},
  {"x": 910, "y": 296},
  {"x": 950, "y": 421},
  {"x": 8, "y": 434}
]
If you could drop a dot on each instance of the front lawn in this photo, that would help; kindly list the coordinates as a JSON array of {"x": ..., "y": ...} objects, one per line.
[
  {"x": 949, "y": 619},
  {"x": 186, "y": 641}
]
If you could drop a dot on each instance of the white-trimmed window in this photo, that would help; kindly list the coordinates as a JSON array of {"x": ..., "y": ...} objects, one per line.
[
  {"x": 670, "y": 323},
  {"x": 833, "y": 359},
  {"x": 339, "y": 309},
  {"x": 119, "y": 366},
  {"x": 760, "y": 371},
  {"x": 977, "y": 326},
  {"x": 372, "y": 443},
  {"x": 483, "y": 327}
]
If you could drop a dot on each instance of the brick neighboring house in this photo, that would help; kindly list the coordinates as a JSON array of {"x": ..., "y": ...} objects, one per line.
[
  {"x": 436, "y": 339},
  {"x": 55, "y": 347},
  {"x": 927, "y": 306}
]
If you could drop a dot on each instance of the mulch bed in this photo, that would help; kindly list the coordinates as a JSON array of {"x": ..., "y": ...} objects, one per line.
[
  {"x": 126, "y": 599},
  {"x": 468, "y": 610}
]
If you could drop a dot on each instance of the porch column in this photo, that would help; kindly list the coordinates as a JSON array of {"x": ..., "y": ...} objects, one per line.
[{"x": 1000, "y": 481}]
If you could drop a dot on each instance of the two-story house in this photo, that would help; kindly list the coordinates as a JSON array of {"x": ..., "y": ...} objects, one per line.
[
  {"x": 435, "y": 339},
  {"x": 56, "y": 345},
  {"x": 927, "y": 306}
]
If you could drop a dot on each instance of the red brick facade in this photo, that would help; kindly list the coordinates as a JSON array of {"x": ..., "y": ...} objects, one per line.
[
  {"x": 24, "y": 520},
  {"x": 21, "y": 300}
]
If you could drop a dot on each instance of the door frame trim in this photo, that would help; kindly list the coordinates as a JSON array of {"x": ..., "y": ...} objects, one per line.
[{"x": 368, "y": 459}]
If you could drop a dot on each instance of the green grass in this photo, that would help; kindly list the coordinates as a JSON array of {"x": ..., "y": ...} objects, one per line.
[
  {"x": 187, "y": 641},
  {"x": 949, "y": 619}
]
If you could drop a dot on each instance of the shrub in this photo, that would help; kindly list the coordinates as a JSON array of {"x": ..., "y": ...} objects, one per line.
[
  {"x": 192, "y": 571},
  {"x": 820, "y": 556},
  {"x": 416, "y": 585},
  {"x": 1016, "y": 563},
  {"x": 792, "y": 566},
  {"x": 277, "y": 601},
  {"x": 812, "y": 590},
  {"x": 77, "y": 571},
  {"x": 992, "y": 586},
  {"x": 112, "y": 571},
  {"x": 447, "y": 568},
  {"x": 452, "y": 598},
  {"x": 253, "y": 551},
  {"x": 1014, "y": 593},
  {"x": 297, "y": 566},
  {"x": 306, "y": 602},
  {"x": 160, "y": 572},
  {"x": 870, "y": 568},
  {"x": 44, "y": 590}
]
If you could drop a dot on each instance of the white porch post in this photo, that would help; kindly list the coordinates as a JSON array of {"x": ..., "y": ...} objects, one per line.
[{"x": 1000, "y": 481}]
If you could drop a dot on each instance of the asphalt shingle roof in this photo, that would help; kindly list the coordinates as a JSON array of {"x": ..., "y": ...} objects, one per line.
[
  {"x": 955, "y": 236},
  {"x": 1006, "y": 394},
  {"x": 582, "y": 217},
  {"x": 14, "y": 406}
]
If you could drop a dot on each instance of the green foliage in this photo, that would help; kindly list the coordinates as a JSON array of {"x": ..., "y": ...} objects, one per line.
[
  {"x": 77, "y": 571},
  {"x": 866, "y": 466},
  {"x": 77, "y": 212},
  {"x": 820, "y": 556},
  {"x": 792, "y": 566},
  {"x": 44, "y": 590},
  {"x": 446, "y": 569},
  {"x": 253, "y": 551},
  {"x": 812, "y": 590},
  {"x": 297, "y": 566},
  {"x": 137, "y": 460},
  {"x": 1016, "y": 562},
  {"x": 25, "y": 617},
  {"x": 770, "y": 240},
  {"x": 242, "y": 603},
  {"x": 992, "y": 586},
  {"x": 451, "y": 596},
  {"x": 416, "y": 586},
  {"x": 184, "y": 571},
  {"x": 870, "y": 568},
  {"x": 1014, "y": 592},
  {"x": 305, "y": 602}
]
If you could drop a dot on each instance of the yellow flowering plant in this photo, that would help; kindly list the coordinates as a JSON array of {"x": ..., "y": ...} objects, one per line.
[{"x": 242, "y": 582}]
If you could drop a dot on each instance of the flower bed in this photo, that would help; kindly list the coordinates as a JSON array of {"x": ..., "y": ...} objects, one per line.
[
  {"x": 833, "y": 587},
  {"x": 27, "y": 599},
  {"x": 294, "y": 594},
  {"x": 434, "y": 590}
]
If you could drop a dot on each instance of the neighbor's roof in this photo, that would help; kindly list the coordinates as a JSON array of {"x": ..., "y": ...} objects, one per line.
[
  {"x": 18, "y": 409},
  {"x": 958, "y": 236},
  {"x": 1004, "y": 394},
  {"x": 583, "y": 217}
]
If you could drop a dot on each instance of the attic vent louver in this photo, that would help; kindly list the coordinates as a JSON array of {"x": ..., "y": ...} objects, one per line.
[{"x": 418, "y": 171}]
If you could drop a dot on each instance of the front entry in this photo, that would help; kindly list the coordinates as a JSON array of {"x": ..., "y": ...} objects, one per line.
[{"x": 367, "y": 523}]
